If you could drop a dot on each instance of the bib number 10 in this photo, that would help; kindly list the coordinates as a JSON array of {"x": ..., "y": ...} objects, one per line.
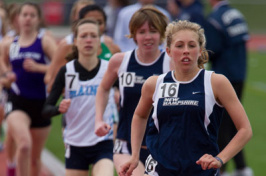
[
  {"x": 127, "y": 79},
  {"x": 168, "y": 90}
]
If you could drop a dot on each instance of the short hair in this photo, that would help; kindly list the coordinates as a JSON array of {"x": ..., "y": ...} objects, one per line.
[
  {"x": 153, "y": 16},
  {"x": 180, "y": 25}
]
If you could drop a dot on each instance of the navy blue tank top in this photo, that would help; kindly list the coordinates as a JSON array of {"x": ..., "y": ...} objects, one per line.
[
  {"x": 132, "y": 74},
  {"x": 186, "y": 120}
]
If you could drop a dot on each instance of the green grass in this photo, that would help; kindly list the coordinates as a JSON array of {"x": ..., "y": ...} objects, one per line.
[
  {"x": 55, "y": 140},
  {"x": 253, "y": 101}
]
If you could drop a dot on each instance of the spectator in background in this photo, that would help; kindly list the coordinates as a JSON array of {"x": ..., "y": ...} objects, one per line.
[
  {"x": 190, "y": 10},
  {"x": 112, "y": 8},
  {"x": 173, "y": 8},
  {"x": 227, "y": 34},
  {"x": 124, "y": 16}
]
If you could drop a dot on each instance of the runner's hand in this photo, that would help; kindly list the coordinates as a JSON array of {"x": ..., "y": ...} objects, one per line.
[
  {"x": 127, "y": 168},
  {"x": 64, "y": 105},
  {"x": 102, "y": 128}
]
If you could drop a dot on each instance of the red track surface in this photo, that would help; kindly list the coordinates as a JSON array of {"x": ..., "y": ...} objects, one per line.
[
  {"x": 257, "y": 43},
  {"x": 45, "y": 171}
]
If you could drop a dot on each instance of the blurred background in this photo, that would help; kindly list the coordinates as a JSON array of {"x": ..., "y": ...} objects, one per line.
[{"x": 56, "y": 12}]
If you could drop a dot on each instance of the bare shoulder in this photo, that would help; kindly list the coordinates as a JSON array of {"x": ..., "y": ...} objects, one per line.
[
  {"x": 150, "y": 84},
  {"x": 48, "y": 32},
  {"x": 48, "y": 38},
  {"x": 116, "y": 59},
  {"x": 218, "y": 80},
  {"x": 63, "y": 43},
  {"x": 108, "y": 40},
  {"x": 49, "y": 45},
  {"x": 5, "y": 45},
  {"x": 7, "y": 40},
  {"x": 111, "y": 45},
  {"x": 221, "y": 86}
]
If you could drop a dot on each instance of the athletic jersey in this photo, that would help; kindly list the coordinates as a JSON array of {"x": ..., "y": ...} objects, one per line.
[
  {"x": 80, "y": 117},
  {"x": 193, "y": 13},
  {"x": 69, "y": 39},
  {"x": 28, "y": 84},
  {"x": 106, "y": 53},
  {"x": 186, "y": 120},
  {"x": 132, "y": 74}
]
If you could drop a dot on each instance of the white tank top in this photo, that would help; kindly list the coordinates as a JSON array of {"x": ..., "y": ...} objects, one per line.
[{"x": 80, "y": 117}]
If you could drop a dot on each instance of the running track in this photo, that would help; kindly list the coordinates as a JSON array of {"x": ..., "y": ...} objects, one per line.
[
  {"x": 256, "y": 43},
  {"x": 45, "y": 170}
]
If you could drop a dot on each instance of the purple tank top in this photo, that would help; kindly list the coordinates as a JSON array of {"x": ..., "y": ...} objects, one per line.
[{"x": 28, "y": 84}]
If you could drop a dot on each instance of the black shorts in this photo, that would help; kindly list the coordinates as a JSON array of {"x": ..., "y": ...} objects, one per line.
[
  {"x": 32, "y": 107},
  {"x": 81, "y": 157}
]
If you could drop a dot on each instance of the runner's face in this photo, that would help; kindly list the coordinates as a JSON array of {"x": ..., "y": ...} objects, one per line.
[
  {"x": 87, "y": 40},
  {"x": 184, "y": 49},
  {"x": 147, "y": 37},
  {"x": 28, "y": 18}
]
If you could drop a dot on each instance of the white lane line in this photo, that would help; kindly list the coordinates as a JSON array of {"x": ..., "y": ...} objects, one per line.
[
  {"x": 54, "y": 165},
  {"x": 259, "y": 86}
]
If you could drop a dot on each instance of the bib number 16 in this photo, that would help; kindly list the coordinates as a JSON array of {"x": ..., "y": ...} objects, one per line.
[{"x": 168, "y": 90}]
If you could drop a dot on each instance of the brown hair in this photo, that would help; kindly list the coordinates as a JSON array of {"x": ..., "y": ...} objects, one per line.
[
  {"x": 177, "y": 26},
  {"x": 153, "y": 16},
  {"x": 35, "y": 5},
  {"x": 75, "y": 6},
  {"x": 39, "y": 12},
  {"x": 12, "y": 12}
]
